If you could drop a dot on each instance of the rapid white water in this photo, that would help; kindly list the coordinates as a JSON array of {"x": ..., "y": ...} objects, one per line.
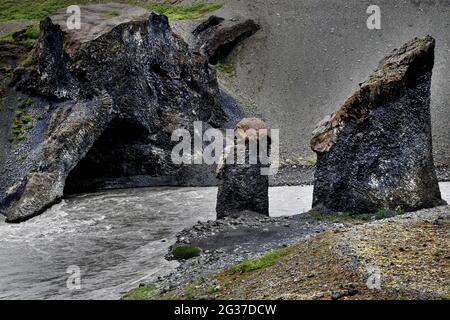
[{"x": 117, "y": 238}]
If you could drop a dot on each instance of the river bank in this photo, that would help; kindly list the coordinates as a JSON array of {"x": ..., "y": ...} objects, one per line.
[
  {"x": 118, "y": 239},
  {"x": 403, "y": 257}
]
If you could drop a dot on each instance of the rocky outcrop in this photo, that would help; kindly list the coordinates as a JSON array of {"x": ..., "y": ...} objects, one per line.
[
  {"x": 376, "y": 150},
  {"x": 107, "y": 104},
  {"x": 243, "y": 188},
  {"x": 216, "y": 37}
]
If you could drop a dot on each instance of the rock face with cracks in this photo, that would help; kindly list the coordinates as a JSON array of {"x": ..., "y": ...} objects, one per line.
[
  {"x": 243, "y": 188},
  {"x": 110, "y": 105},
  {"x": 376, "y": 150}
]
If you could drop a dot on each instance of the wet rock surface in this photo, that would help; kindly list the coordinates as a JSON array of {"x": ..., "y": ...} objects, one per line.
[
  {"x": 107, "y": 107},
  {"x": 376, "y": 150}
]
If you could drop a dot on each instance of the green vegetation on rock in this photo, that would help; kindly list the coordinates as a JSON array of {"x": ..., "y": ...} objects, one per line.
[
  {"x": 28, "y": 62},
  {"x": 7, "y": 37},
  {"x": 26, "y": 119},
  {"x": 25, "y": 103},
  {"x": 186, "y": 252},
  {"x": 226, "y": 69},
  {"x": 33, "y": 32},
  {"x": 22, "y": 120}
]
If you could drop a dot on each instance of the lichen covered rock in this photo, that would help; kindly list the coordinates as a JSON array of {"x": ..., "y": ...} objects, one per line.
[{"x": 376, "y": 150}]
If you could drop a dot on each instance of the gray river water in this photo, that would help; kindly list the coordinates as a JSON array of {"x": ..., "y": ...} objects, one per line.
[{"x": 118, "y": 239}]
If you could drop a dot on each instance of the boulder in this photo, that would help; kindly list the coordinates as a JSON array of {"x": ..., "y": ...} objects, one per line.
[
  {"x": 103, "y": 108},
  {"x": 216, "y": 37},
  {"x": 376, "y": 150},
  {"x": 243, "y": 189}
]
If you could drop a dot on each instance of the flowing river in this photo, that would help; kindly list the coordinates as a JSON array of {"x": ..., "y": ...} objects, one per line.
[{"x": 117, "y": 239}]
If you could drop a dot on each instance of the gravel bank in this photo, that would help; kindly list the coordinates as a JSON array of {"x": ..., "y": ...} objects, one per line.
[
  {"x": 231, "y": 241},
  {"x": 406, "y": 255}
]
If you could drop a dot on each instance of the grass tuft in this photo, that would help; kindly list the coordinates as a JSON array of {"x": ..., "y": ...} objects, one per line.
[
  {"x": 226, "y": 69},
  {"x": 382, "y": 214},
  {"x": 186, "y": 252},
  {"x": 268, "y": 260},
  {"x": 141, "y": 293}
]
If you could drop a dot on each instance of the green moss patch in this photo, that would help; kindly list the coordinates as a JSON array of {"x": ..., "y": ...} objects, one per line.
[
  {"x": 7, "y": 37},
  {"x": 186, "y": 252},
  {"x": 226, "y": 69},
  {"x": 25, "y": 103},
  {"x": 22, "y": 120},
  {"x": 33, "y": 32}
]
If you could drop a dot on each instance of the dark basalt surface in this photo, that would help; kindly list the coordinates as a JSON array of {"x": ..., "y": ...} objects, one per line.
[
  {"x": 108, "y": 106},
  {"x": 243, "y": 189},
  {"x": 376, "y": 150},
  {"x": 216, "y": 37}
]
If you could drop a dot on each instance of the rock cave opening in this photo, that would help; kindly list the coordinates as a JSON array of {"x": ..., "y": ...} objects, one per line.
[{"x": 121, "y": 152}]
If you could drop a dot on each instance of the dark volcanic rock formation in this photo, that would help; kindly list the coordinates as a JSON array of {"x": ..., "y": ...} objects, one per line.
[
  {"x": 107, "y": 106},
  {"x": 376, "y": 150},
  {"x": 217, "y": 37},
  {"x": 242, "y": 187}
]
